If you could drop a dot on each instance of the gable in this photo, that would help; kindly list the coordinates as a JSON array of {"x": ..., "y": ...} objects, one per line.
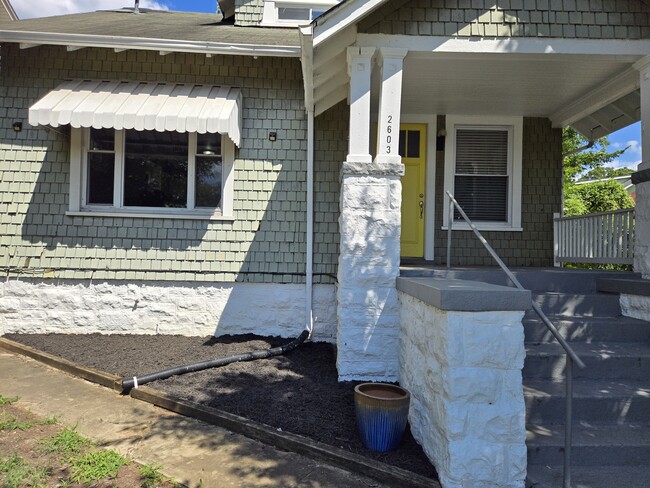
[
  {"x": 586, "y": 19},
  {"x": 248, "y": 12},
  {"x": 6, "y": 11}
]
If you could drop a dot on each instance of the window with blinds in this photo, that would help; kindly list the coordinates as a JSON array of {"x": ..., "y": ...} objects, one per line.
[{"x": 481, "y": 175}]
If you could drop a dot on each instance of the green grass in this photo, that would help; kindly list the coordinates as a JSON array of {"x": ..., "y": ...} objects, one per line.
[
  {"x": 150, "y": 476},
  {"x": 68, "y": 441},
  {"x": 18, "y": 473},
  {"x": 8, "y": 422},
  {"x": 50, "y": 420},
  {"x": 7, "y": 400},
  {"x": 96, "y": 465}
]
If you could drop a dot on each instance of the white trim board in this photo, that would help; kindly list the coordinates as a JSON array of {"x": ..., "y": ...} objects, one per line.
[
  {"x": 605, "y": 47},
  {"x": 342, "y": 16},
  {"x": 515, "y": 169}
]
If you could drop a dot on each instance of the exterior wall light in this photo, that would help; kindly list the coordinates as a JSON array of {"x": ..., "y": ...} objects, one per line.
[
  {"x": 17, "y": 126},
  {"x": 440, "y": 140},
  {"x": 273, "y": 136}
]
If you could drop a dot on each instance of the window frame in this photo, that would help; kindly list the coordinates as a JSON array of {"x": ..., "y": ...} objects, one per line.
[
  {"x": 270, "y": 13},
  {"x": 79, "y": 140},
  {"x": 514, "y": 124}
]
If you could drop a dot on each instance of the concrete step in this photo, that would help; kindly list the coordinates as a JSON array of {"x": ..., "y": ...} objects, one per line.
[
  {"x": 593, "y": 444},
  {"x": 598, "y": 401},
  {"x": 573, "y": 305},
  {"x": 535, "y": 279},
  {"x": 589, "y": 476},
  {"x": 588, "y": 329},
  {"x": 604, "y": 360},
  {"x": 564, "y": 280}
]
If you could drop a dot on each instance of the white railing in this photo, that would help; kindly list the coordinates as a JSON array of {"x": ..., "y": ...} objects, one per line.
[{"x": 601, "y": 238}]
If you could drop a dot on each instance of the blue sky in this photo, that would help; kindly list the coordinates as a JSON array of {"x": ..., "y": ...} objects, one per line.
[
  {"x": 629, "y": 136},
  {"x": 193, "y": 5},
  {"x": 41, "y": 8}
]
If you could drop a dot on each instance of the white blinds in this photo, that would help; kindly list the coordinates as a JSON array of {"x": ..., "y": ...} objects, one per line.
[{"x": 481, "y": 178}]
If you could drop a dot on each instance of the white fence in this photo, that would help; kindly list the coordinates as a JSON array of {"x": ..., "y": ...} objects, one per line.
[{"x": 602, "y": 238}]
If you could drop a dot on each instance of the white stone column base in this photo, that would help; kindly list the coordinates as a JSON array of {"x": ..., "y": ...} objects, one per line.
[{"x": 367, "y": 306}]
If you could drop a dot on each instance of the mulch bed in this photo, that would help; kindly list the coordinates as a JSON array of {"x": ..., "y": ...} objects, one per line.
[{"x": 298, "y": 393}]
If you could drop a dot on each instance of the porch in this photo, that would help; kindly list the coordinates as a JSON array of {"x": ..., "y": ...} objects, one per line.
[{"x": 484, "y": 121}]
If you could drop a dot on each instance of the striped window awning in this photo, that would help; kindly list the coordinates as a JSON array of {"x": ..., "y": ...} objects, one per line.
[{"x": 137, "y": 105}]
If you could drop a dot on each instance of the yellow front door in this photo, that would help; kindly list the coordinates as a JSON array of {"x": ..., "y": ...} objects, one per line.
[{"x": 412, "y": 148}]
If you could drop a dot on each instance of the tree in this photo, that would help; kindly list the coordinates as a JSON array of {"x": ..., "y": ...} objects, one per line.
[
  {"x": 603, "y": 172},
  {"x": 575, "y": 165},
  {"x": 600, "y": 196},
  {"x": 591, "y": 197}
]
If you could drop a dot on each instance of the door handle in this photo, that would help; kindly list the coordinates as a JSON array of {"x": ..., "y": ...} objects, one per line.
[{"x": 421, "y": 209}]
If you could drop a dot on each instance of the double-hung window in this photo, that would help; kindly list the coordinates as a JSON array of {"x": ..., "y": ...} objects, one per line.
[
  {"x": 150, "y": 173},
  {"x": 483, "y": 166}
]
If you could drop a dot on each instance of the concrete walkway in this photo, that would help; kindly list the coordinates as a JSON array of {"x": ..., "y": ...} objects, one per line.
[{"x": 189, "y": 451}]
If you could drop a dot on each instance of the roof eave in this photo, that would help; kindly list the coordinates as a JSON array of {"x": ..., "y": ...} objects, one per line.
[
  {"x": 150, "y": 44},
  {"x": 341, "y": 16}
]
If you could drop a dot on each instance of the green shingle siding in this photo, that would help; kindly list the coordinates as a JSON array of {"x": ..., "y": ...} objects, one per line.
[
  {"x": 248, "y": 12},
  {"x": 585, "y": 19},
  {"x": 330, "y": 150},
  {"x": 541, "y": 196},
  {"x": 265, "y": 242}
]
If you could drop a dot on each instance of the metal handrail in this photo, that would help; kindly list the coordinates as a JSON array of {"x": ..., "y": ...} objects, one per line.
[{"x": 572, "y": 357}]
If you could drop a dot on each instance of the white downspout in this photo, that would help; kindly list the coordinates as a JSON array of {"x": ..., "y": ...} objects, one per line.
[
  {"x": 307, "y": 59},
  {"x": 310, "y": 223}
]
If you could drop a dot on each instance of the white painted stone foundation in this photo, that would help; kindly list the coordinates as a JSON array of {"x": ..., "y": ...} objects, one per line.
[
  {"x": 463, "y": 370},
  {"x": 637, "y": 307},
  {"x": 164, "y": 308}
]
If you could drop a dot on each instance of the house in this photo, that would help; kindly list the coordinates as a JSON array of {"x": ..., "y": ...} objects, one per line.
[
  {"x": 7, "y": 11},
  {"x": 167, "y": 172}
]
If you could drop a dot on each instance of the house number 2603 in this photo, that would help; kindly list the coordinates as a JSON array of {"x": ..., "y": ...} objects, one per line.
[{"x": 389, "y": 131}]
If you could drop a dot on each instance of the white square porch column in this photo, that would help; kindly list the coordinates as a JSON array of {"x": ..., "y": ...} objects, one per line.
[
  {"x": 390, "y": 101},
  {"x": 367, "y": 305},
  {"x": 360, "y": 71},
  {"x": 642, "y": 178}
]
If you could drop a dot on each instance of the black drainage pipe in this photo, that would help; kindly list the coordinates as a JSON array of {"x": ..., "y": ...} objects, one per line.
[{"x": 134, "y": 382}]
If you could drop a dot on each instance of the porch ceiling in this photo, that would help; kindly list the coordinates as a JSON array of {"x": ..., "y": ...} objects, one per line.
[
  {"x": 528, "y": 85},
  {"x": 591, "y": 85}
]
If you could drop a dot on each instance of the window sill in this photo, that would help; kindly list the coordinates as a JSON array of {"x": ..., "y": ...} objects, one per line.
[
  {"x": 150, "y": 215},
  {"x": 284, "y": 23},
  {"x": 484, "y": 227}
]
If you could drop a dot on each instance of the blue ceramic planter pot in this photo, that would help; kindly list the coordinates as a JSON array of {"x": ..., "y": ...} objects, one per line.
[{"x": 382, "y": 414}]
